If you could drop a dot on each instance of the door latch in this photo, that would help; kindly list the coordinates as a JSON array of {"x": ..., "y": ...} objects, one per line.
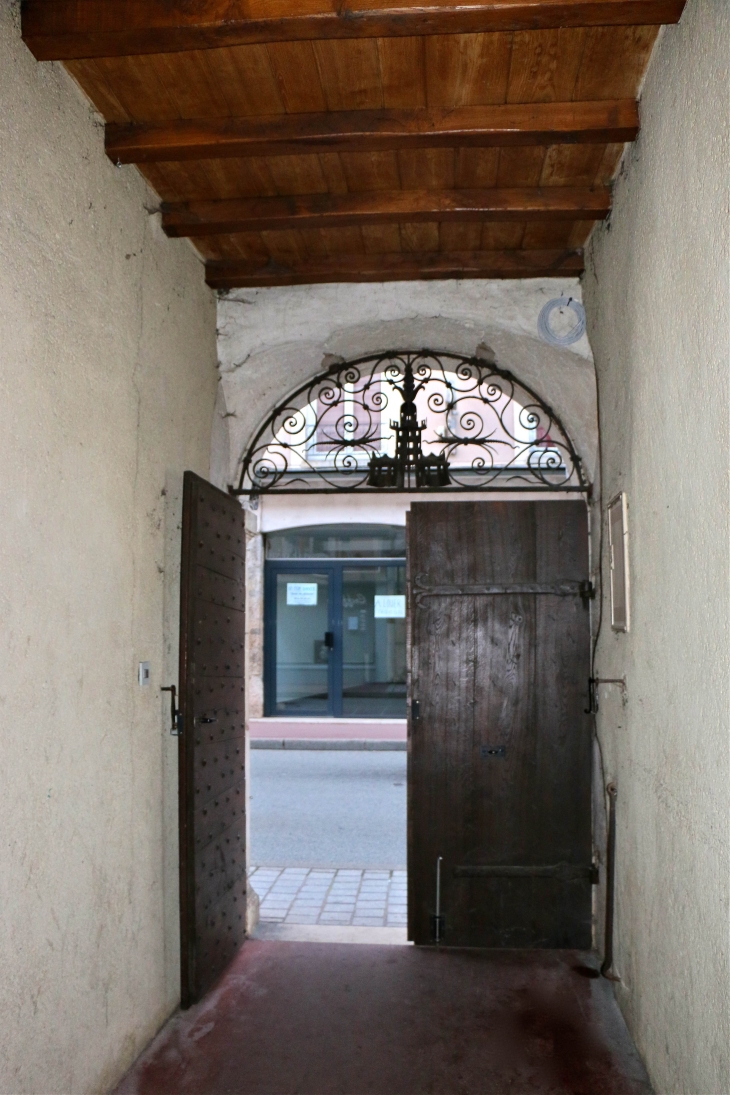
[
  {"x": 494, "y": 751},
  {"x": 329, "y": 639},
  {"x": 176, "y": 719}
]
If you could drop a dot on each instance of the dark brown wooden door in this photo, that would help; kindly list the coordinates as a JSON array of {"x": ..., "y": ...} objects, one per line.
[
  {"x": 499, "y": 743},
  {"x": 212, "y": 742}
]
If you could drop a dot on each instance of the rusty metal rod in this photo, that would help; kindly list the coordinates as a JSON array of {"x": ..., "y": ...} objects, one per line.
[{"x": 606, "y": 970}]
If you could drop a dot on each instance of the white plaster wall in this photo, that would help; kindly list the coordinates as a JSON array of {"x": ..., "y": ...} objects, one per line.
[
  {"x": 658, "y": 302},
  {"x": 108, "y": 383},
  {"x": 273, "y": 340}
]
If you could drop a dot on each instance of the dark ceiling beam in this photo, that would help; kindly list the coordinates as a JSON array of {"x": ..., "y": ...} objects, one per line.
[
  {"x": 399, "y": 266},
  {"x": 595, "y": 122},
  {"x": 59, "y": 30},
  {"x": 208, "y": 218}
]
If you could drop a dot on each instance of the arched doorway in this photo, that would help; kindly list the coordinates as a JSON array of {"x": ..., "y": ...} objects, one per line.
[{"x": 421, "y": 427}]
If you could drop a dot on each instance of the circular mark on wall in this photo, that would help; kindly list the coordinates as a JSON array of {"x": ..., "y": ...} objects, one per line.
[{"x": 562, "y": 321}]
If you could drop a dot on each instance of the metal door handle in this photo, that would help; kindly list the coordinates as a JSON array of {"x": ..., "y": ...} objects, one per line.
[{"x": 176, "y": 722}]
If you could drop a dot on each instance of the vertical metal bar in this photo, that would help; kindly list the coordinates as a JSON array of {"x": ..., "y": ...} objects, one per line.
[
  {"x": 336, "y": 668},
  {"x": 438, "y": 920},
  {"x": 606, "y": 970}
]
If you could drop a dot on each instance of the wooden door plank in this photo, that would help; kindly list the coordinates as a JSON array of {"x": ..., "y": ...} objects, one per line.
[
  {"x": 58, "y": 30},
  {"x": 501, "y": 125},
  {"x": 499, "y": 757},
  {"x": 324, "y": 210},
  {"x": 290, "y": 265}
]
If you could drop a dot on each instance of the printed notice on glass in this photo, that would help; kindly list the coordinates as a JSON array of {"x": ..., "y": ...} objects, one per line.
[
  {"x": 301, "y": 593},
  {"x": 390, "y": 607}
]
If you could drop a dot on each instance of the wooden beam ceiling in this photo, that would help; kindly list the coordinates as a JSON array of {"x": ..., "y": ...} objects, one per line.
[
  {"x": 501, "y": 125},
  {"x": 384, "y": 207},
  {"x": 72, "y": 29},
  {"x": 399, "y": 266},
  {"x": 299, "y": 141}
]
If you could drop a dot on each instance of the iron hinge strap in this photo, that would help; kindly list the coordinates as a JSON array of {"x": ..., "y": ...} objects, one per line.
[
  {"x": 496, "y": 589},
  {"x": 563, "y": 872}
]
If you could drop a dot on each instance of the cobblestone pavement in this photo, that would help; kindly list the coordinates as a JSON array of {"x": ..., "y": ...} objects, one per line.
[{"x": 302, "y": 895}]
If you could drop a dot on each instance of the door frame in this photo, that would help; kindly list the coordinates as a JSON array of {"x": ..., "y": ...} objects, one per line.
[
  {"x": 272, "y": 568},
  {"x": 334, "y": 568}
]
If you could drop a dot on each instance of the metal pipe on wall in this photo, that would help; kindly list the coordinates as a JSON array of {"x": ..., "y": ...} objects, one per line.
[{"x": 606, "y": 967}]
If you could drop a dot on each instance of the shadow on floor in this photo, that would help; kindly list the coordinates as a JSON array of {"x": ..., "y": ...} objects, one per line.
[{"x": 339, "y": 1019}]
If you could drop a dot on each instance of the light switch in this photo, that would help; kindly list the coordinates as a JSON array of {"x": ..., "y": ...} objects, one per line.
[{"x": 144, "y": 673}]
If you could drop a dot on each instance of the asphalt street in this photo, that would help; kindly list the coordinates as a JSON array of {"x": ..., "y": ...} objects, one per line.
[{"x": 328, "y": 808}]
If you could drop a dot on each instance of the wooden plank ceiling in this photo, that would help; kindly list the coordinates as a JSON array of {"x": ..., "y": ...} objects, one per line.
[{"x": 304, "y": 141}]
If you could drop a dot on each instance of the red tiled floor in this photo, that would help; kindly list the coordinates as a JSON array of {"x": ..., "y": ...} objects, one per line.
[{"x": 328, "y": 1019}]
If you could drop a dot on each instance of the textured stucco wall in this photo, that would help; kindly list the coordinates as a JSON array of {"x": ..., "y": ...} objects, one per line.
[
  {"x": 658, "y": 302},
  {"x": 107, "y": 389}
]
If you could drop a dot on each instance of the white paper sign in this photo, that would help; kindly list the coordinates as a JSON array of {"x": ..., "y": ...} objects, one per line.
[
  {"x": 390, "y": 607},
  {"x": 301, "y": 593}
]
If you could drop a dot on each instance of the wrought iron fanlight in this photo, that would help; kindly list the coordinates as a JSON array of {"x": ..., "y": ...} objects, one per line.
[
  {"x": 409, "y": 466},
  {"x": 461, "y": 424}
]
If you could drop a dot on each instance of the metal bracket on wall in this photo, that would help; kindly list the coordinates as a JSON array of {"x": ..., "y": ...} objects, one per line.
[
  {"x": 175, "y": 716},
  {"x": 593, "y": 684}
]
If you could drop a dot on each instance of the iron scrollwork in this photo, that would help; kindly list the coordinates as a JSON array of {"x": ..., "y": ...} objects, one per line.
[{"x": 410, "y": 421}]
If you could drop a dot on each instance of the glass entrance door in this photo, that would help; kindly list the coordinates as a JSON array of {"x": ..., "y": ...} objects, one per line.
[
  {"x": 335, "y": 639},
  {"x": 303, "y": 641},
  {"x": 374, "y": 642}
]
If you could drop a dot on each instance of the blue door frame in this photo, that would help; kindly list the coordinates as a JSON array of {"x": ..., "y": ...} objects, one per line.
[
  {"x": 334, "y": 624},
  {"x": 334, "y": 569}
]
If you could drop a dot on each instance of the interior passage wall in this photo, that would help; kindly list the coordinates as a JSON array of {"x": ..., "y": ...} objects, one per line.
[
  {"x": 108, "y": 383},
  {"x": 658, "y": 302}
]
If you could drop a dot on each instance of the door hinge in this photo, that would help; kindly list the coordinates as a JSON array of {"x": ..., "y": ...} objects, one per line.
[
  {"x": 415, "y": 710},
  {"x": 587, "y": 592}
]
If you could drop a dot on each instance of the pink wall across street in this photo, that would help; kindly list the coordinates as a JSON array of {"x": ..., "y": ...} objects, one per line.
[{"x": 330, "y": 729}]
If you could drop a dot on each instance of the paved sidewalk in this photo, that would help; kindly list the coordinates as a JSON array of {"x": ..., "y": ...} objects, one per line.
[{"x": 302, "y": 895}]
